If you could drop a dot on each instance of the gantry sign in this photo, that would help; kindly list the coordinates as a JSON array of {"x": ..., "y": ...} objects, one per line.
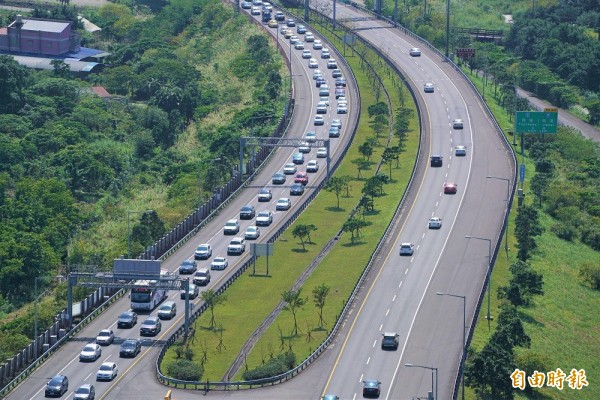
[
  {"x": 252, "y": 142},
  {"x": 124, "y": 275}
]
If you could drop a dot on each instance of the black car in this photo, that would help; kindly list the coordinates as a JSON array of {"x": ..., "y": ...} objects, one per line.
[
  {"x": 296, "y": 189},
  {"x": 278, "y": 178},
  {"x": 247, "y": 212},
  {"x": 127, "y": 320},
  {"x": 436, "y": 161},
  {"x": 57, "y": 386},
  {"x": 371, "y": 388},
  {"x": 130, "y": 348},
  {"x": 188, "y": 267},
  {"x": 389, "y": 341}
]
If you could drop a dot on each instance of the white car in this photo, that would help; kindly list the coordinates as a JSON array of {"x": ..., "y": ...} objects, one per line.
[
  {"x": 311, "y": 136},
  {"x": 342, "y": 108},
  {"x": 264, "y": 218},
  {"x": 407, "y": 249},
  {"x": 312, "y": 63},
  {"x": 290, "y": 169},
  {"x": 415, "y": 52},
  {"x": 294, "y": 39},
  {"x": 319, "y": 120},
  {"x": 255, "y": 11},
  {"x": 105, "y": 337},
  {"x": 91, "y": 352},
  {"x": 304, "y": 147},
  {"x": 332, "y": 64},
  {"x": 307, "y": 54},
  {"x": 325, "y": 100},
  {"x": 325, "y": 53},
  {"x": 322, "y": 152},
  {"x": 428, "y": 88},
  {"x": 283, "y": 204},
  {"x": 107, "y": 371},
  {"x": 299, "y": 45},
  {"x": 236, "y": 246},
  {"x": 460, "y": 151},
  {"x": 219, "y": 263},
  {"x": 435, "y": 223},
  {"x": 252, "y": 233},
  {"x": 203, "y": 252},
  {"x": 457, "y": 123},
  {"x": 337, "y": 123},
  {"x": 309, "y": 36},
  {"x": 317, "y": 73},
  {"x": 312, "y": 166},
  {"x": 317, "y": 44}
]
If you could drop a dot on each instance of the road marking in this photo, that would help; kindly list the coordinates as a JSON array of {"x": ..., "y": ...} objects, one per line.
[
  {"x": 394, "y": 298},
  {"x": 387, "y": 312},
  {"x": 400, "y": 285},
  {"x": 374, "y": 343},
  {"x": 422, "y": 236},
  {"x": 380, "y": 327},
  {"x": 368, "y": 359},
  {"x": 406, "y": 272}
]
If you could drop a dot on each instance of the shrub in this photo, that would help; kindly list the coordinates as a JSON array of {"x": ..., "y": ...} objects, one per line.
[
  {"x": 185, "y": 370},
  {"x": 590, "y": 273},
  {"x": 564, "y": 231},
  {"x": 275, "y": 366}
]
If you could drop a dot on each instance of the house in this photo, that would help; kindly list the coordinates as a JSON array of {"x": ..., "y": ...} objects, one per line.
[{"x": 39, "y": 36}]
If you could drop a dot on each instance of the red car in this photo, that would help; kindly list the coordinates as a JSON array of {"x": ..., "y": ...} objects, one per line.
[
  {"x": 301, "y": 177},
  {"x": 449, "y": 188}
]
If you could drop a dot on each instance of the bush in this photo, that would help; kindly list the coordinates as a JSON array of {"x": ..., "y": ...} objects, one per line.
[
  {"x": 185, "y": 370},
  {"x": 564, "y": 231},
  {"x": 530, "y": 361},
  {"x": 590, "y": 273},
  {"x": 275, "y": 366}
]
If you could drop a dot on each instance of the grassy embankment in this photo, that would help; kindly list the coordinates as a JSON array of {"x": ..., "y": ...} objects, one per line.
[
  {"x": 564, "y": 323},
  {"x": 252, "y": 298}
]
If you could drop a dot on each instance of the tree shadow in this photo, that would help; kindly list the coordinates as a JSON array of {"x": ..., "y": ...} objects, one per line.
[
  {"x": 355, "y": 243},
  {"x": 530, "y": 320},
  {"x": 335, "y": 209},
  {"x": 300, "y": 250}
]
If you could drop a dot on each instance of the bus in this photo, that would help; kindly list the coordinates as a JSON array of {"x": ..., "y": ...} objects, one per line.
[{"x": 145, "y": 295}]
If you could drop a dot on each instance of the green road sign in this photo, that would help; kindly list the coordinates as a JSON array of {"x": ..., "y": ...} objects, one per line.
[{"x": 536, "y": 122}]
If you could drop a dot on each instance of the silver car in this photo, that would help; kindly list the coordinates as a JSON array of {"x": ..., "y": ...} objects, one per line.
[{"x": 91, "y": 352}]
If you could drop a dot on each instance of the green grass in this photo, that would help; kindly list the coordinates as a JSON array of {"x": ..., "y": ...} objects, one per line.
[
  {"x": 252, "y": 298},
  {"x": 564, "y": 323}
]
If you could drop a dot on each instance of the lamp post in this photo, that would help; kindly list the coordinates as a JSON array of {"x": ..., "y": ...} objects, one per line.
[
  {"x": 432, "y": 370},
  {"x": 447, "y": 28},
  {"x": 128, "y": 230},
  {"x": 506, "y": 215},
  {"x": 464, "y": 340},
  {"x": 489, "y": 275}
]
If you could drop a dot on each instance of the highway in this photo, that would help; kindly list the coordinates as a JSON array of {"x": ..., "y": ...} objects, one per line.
[{"x": 135, "y": 379}]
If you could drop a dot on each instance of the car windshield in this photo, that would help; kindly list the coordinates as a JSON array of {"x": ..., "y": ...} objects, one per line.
[
  {"x": 55, "y": 382},
  {"x": 128, "y": 344},
  {"x": 165, "y": 308},
  {"x": 221, "y": 259},
  {"x": 89, "y": 348},
  {"x": 149, "y": 322},
  {"x": 82, "y": 390},
  {"x": 105, "y": 367},
  {"x": 104, "y": 334}
]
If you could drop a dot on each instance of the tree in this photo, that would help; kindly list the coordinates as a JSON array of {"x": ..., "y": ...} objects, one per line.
[
  {"x": 293, "y": 303},
  {"x": 388, "y": 156},
  {"x": 335, "y": 185},
  {"x": 510, "y": 330},
  {"x": 380, "y": 108},
  {"x": 354, "y": 225},
  {"x": 366, "y": 150},
  {"x": 319, "y": 295},
  {"x": 402, "y": 124},
  {"x": 14, "y": 80},
  {"x": 310, "y": 228},
  {"x": 490, "y": 369},
  {"x": 61, "y": 69},
  {"x": 149, "y": 229},
  {"x": 590, "y": 273},
  {"x": 212, "y": 299},
  {"x": 361, "y": 164},
  {"x": 528, "y": 282},
  {"x": 539, "y": 184},
  {"x": 302, "y": 232},
  {"x": 527, "y": 227},
  {"x": 379, "y": 124}
]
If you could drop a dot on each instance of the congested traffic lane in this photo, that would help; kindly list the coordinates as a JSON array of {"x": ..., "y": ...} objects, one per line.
[{"x": 132, "y": 381}]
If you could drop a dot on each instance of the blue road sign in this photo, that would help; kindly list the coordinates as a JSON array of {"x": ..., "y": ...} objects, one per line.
[{"x": 522, "y": 173}]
